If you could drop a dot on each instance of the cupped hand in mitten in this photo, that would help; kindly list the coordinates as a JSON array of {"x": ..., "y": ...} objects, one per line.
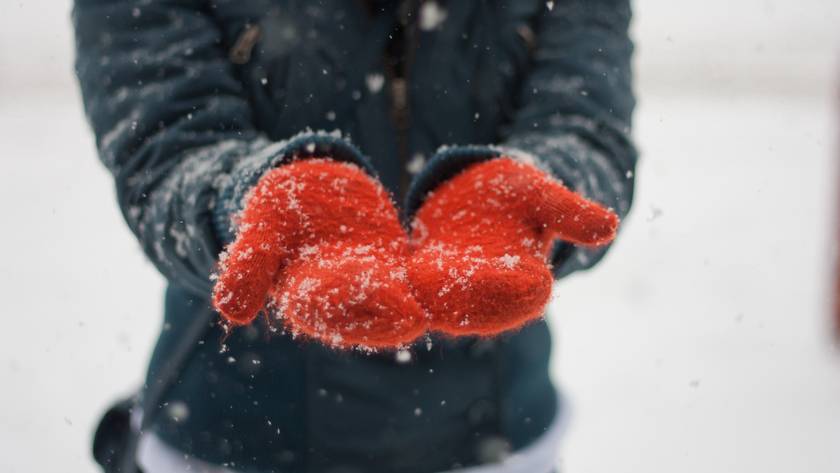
[
  {"x": 320, "y": 243},
  {"x": 481, "y": 241}
]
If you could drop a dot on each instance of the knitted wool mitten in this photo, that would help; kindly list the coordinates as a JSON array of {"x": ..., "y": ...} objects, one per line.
[
  {"x": 481, "y": 242},
  {"x": 321, "y": 243}
]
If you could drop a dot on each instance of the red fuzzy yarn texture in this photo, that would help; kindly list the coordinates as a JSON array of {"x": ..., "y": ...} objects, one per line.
[
  {"x": 321, "y": 244},
  {"x": 481, "y": 241}
]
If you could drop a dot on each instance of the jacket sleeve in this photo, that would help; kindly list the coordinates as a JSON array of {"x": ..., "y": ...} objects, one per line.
[
  {"x": 174, "y": 128},
  {"x": 573, "y": 115}
]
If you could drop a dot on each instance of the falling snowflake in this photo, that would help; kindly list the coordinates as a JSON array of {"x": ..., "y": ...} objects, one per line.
[
  {"x": 178, "y": 411},
  {"x": 416, "y": 164},
  {"x": 375, "y": 82},
  {"x": 431, "y": 16},
  {"x": 403, "y": 356}
]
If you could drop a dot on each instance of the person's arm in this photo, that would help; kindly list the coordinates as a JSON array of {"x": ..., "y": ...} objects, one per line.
[
  {"x": 174, "y": 128},
  {"x": 573, "y": 115}
]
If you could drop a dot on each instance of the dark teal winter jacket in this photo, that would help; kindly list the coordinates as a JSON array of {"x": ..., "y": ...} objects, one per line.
[{"x": 192, "y": 100}]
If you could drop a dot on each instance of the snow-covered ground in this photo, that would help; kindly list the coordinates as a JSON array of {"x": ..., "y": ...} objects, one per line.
[{"x": 701, "y": 344}]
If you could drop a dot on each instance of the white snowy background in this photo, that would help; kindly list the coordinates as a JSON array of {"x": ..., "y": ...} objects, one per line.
[{"x": 700, "y": 345}]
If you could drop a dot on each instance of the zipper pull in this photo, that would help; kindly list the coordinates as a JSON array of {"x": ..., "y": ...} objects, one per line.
[
  {"x": 399, "y": 91},
  {"x": 241, "y": 51}
]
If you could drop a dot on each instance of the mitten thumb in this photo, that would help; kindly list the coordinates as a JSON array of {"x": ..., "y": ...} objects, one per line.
[
  {"x": 249, "y": 266},
  {"x": 574, "y": 218},
  {"x": 248, "y": 272}
]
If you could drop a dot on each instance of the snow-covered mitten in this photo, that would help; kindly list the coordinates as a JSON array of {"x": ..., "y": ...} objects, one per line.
[
  {"x": 320, "y": 242},
  {"x": 481, "y": 241}
]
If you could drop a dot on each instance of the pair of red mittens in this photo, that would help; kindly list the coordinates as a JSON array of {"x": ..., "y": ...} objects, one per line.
[{"x": 321, "y": 243}]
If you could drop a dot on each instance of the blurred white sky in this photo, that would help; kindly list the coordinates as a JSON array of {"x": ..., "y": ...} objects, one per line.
[{"x": 701, "y": 343}]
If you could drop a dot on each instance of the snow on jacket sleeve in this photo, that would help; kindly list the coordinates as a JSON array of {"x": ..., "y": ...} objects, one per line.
[
  {"x": 174, "y": 129},
  {"x": 573, "y": 115}
]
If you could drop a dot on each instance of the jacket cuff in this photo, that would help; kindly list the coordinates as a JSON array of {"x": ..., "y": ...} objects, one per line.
[
  {"x": 444, "y": 165},
  {"x": 234, "y": 187}
]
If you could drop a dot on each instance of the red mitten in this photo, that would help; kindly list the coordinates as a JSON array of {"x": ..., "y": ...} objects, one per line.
[
  {"x": 482, "y": 239},
  {"x": 321, "y": 242}
]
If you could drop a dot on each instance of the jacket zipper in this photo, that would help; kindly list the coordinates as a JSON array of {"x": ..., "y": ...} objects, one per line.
[
  {"x": 399, "y": 89},
  {"x": 400, "y": 112}
]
